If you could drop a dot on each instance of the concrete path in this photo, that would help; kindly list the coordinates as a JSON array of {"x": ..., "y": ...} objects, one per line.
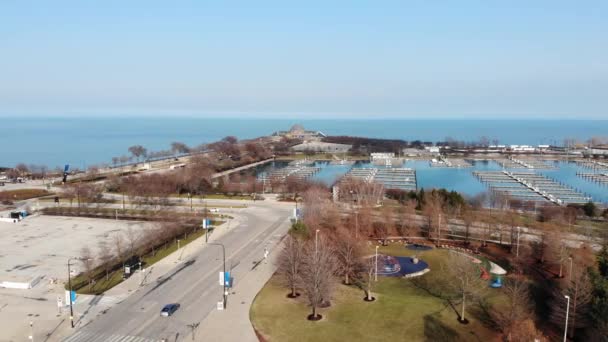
[{"x": 233, "y": 324}]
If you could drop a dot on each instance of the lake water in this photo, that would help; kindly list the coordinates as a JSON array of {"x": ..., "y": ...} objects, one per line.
[
  {"x": 462, "y": 179},
  {"x": 86, "y": 141}
]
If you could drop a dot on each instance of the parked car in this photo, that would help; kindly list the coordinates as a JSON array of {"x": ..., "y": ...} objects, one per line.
[
  {"x": 169, "y": 309},
  {"x": 214, "y": 210}
]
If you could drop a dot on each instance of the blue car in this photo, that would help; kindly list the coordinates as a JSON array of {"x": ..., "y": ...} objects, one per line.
[{"x": 169, "y": 309}]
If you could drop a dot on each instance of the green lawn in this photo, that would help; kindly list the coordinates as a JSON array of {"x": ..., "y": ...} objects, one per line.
[{"x": 403, "y": 311}]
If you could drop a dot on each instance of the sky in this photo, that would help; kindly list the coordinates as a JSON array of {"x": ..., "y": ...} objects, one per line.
[{"x": 338, "y": 59}]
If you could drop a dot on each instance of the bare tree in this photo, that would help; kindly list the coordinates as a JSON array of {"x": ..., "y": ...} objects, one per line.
[
  {"x": 290, "y": 264},
  {"x": 527, "y": 331},
  {"x": 178, "y": 147},
  {"x": 368, "y": 277},
  {"x": 349, "y": 252},
  {"x": 557, "y": 250},
  {"x": 361, "y": 191},
  {"x": 138, "y": 151},
  {"x": 132, "y": 240},
  {"x": 318, "y": 271},
  {"x": 86, "y": 258},
  {"x": 105, "y": 255},
  {"x": 119, "y": 247},
  {"x": 464, "y": 278},
  {"x": 433, "y": 209},
  {"x": 580, "y": 291},
  {"x": 518, "y": 307}
]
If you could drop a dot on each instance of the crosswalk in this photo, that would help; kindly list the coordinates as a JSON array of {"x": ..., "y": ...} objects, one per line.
[{"x": 83, "y": 336}]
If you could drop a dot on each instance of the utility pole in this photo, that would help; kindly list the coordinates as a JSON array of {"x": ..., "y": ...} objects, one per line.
[{"x": 224, "y": 274}]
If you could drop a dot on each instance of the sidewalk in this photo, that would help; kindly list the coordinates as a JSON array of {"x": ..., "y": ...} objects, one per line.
[{"x": 233, "y": 324}]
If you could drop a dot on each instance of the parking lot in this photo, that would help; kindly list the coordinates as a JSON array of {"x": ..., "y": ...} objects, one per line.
[{"x": 36, "y": 250}]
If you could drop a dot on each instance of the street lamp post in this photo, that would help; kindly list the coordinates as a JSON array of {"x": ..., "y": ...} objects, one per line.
[
  {"x": 376, "y": 273},
  {"x": 70, "y": 293},
  {"x": 31, "y": 337},
  {"x": 224, "y": 274},
  {"x": 570, "y": 270},
  {"x": 567, "y": 311},
  {"x": 517, "y": 249}
]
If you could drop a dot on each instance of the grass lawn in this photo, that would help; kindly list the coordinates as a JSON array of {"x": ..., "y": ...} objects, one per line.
[
  {"x": 23, "y": 194},
  {"x": 403, "y": 311}
]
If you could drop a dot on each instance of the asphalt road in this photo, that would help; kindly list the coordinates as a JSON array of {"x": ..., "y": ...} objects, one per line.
[{"x": 193, "y": 283}]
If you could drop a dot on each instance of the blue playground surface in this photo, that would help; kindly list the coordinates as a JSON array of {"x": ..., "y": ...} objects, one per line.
[{"x": 399, "y": 266}]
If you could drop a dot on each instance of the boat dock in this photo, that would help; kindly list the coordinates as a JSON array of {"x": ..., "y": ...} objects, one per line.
[
  {"x": 390, "y": 178},
  {"x": 601, "y": 178},
  {"x": 298, "y": 172},
  {"x": 516, "y": 163},
  {"x": 593, "y": 165},
  {"x": 528, "y": 186},
  {"x": 445, "y": 162}
]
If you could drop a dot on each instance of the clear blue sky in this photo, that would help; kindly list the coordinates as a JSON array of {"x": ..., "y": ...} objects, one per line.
[{"x": 461, "y": 59}]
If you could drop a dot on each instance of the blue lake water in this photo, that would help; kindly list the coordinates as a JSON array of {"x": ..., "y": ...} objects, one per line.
[
  {"x": 92, "y": 140},
  {"x": 462, "y": 179}
]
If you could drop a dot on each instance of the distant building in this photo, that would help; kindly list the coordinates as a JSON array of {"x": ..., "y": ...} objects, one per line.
[
  {"x": 379, "y": 156},
  {"x": 432, "y": 149},
  {"x": 596, "y": 151},
  {"x": 298, "y": 132},
  {"x": 319, "y": 146}
]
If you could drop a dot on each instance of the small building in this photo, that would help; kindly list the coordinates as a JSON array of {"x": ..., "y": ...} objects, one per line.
[
  {"x": 319, "y": 146},
  {"x": 380, "y": 156},
  {"x": 298, "y": 132}
]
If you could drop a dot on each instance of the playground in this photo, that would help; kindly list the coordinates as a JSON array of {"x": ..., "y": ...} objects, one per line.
[{"x": 404, "y": 305}]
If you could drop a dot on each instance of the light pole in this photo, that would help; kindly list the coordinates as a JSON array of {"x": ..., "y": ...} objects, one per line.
[
  {"x": 376, "y": 273},
  {"x": 70, "y": 293},
  {"x": 567, "y": 311},
  {"x": 570, "y": 271},
  {"x": 517, "y": 248},
  {"x": 357, "y": 225},
  {"x": 31, "y": 337},
  {"x": 224, "y": 274}
]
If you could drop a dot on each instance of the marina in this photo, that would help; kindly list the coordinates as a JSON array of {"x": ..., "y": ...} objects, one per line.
[
  {"x": 462, "y": 180},
  {"x": 528, "y": 186}
]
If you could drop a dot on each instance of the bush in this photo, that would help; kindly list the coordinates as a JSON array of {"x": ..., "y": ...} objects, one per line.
[{"x": 299, "y": 229}]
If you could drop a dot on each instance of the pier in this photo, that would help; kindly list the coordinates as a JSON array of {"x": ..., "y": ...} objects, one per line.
[
  {"x": 390, "y": 178},
  {"x": 527, "y": 186},
  {"x": 445, "y": 162},
  {"x": 601, "y": 178},
  {"x": 516, "y": 163}
]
